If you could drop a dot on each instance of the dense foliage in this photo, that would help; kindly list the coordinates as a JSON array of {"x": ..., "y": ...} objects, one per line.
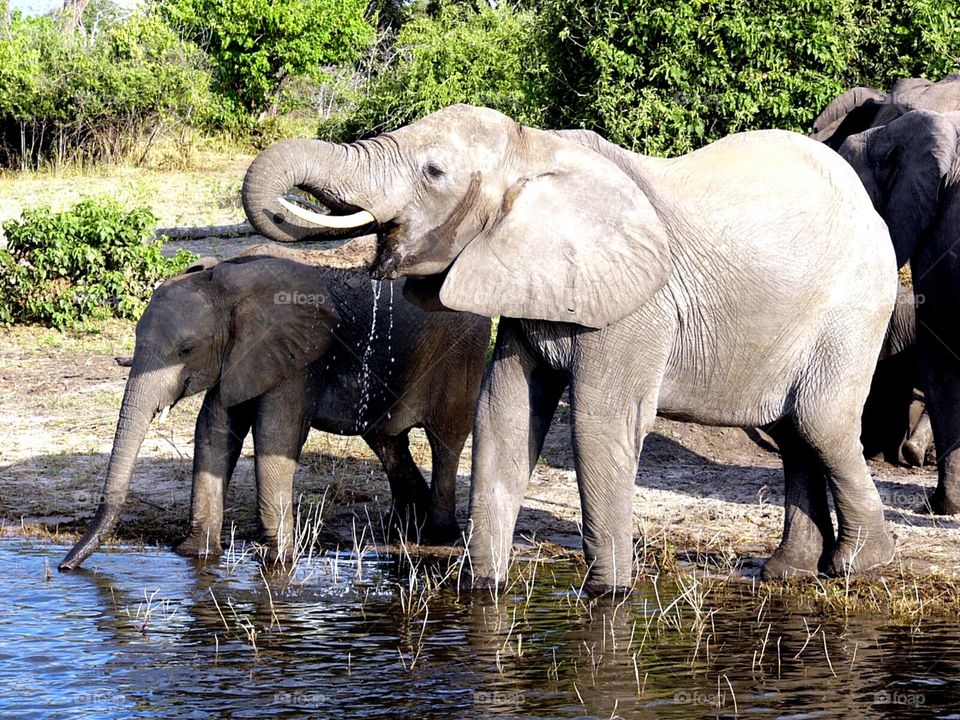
[
  {"x": 255, "y": 46},
  {"x": 456, "y": 53},
  {"x": 663, "y": 77},
  {"x": 73, "y": 96},
  {"x": 95, "y": 261},
  {"x": 667, "y": 77}
]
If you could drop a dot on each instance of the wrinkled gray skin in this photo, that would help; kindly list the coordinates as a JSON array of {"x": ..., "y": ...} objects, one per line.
[
  {"x": 911, "y": 170},
  {"x": 746, "y": 284},
  {"x": 277, "y": 368},
  {"x": 861, "y": 108},
  {"x": 889, "y": 426}
]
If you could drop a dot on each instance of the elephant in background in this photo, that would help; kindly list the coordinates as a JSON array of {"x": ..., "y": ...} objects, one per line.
[
  {"x": 862, "y": 107},
  {"x": 749, "y": 283},
  {"x": 911, "y": 170},
  {"x": 279, "y": 347}
]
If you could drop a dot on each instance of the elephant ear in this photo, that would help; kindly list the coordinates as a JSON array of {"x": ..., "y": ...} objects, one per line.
[
  {"x": 579, "y": 242},
  {"x": 861, "y": 118},
  {"x": 902, "y": 165},
  {"x": 282, "y": 319},
  {"x": 834, "y": 113}
]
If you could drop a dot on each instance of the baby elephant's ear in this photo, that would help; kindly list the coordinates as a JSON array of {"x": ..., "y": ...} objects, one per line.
[
  {"x": 282, "y": 320},
  {"x": 578, "y": 243}
]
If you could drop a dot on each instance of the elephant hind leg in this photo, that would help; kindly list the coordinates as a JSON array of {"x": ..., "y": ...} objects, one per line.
[
  {"x": 863, "y": 541},
  {"x": 411, "y": 495},
  {"x": 808, "y": 539},
  {"x": 445, "y": 448}
]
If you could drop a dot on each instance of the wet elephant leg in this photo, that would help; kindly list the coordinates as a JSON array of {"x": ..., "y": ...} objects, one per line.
[
  {"x": 608, "y": 433},
  {"x": 280, "y": 429},
  {"x": 442, "y": 524},
  {"x": 411, "y": 494},
  {"x": 218, "y": 441},
  {"x": 863, "y": 541},
  {"x": 516, "y": 405},
  {"x": 808, "y": 538}
]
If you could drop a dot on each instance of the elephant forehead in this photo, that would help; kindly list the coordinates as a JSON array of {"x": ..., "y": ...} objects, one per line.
[{"x": 481, "y": 133}]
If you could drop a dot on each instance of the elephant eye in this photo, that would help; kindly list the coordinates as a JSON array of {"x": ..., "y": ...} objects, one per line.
[
  {"x": 433, "y": 171},
  {"x": 186, "y": 349}
]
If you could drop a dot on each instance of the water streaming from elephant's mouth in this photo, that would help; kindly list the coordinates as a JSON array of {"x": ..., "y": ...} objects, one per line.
[
  {"x": 150, "y": 634},
  {"x": 390, "y": 357},
  {"x": 365, "y": 374}
]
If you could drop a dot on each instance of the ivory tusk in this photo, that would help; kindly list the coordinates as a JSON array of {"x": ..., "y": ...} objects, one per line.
[
  {"x": 335, "y": 222},
  {"x": 163, "y": 414}
]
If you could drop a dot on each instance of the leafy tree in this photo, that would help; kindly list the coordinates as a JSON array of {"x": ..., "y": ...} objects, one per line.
[
  {"x": 452, "y": 53},
  {"x": 256, "y": 45},
  {"x": 66, "y": 96}
]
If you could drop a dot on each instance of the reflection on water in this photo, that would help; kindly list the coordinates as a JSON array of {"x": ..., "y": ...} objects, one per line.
[{"x": 150, "y": 634}]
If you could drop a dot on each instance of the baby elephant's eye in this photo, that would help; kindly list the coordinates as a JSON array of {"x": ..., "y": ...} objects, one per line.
[
  {"x": 433, "y": 171},
  {"x": 186, "y": 349}
]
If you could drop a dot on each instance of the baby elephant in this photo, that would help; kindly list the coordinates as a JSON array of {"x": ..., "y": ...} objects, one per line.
[{"x": 280, "y": 346}]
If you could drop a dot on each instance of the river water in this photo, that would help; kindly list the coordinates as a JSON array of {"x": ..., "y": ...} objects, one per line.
[{"x": 146, "y": 633}]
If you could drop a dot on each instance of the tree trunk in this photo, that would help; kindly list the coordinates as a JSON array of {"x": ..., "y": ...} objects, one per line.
[{"x": 73, "y": 14}]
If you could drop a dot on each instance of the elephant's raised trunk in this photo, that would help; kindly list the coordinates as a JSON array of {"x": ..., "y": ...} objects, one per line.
[
  {"x": 136, "y": 412},
  {"x": 322, "y": 169}
]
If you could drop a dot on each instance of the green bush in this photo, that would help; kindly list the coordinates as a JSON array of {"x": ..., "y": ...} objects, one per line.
[
  {"x": 667, "y": 77},
  {"x": 70, "y": 97},
  {"x": 96, "y": 261},
  {"x": 455, "y": 54}
]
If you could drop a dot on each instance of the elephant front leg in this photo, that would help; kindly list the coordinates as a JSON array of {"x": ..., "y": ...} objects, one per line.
[
  {"x": 938, "y": 344},
  {"x": 607, "y": 440},
  {"x": 942, "y": 393},
  {"x": 218, "y": 441},
  {"x": 279, "y": 431},
  {"x": 516, "y": 405}
]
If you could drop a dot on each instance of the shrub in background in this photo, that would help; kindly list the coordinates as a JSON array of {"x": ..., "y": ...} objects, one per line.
[
  {"x": 72, "y": 97},
  {"x": 95, "y": 261},
  {"x": 666, "y": 77}
]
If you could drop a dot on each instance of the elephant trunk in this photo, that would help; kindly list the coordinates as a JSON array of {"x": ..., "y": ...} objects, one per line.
[
  {"x": 136, "y": 412},
  {"x": 322, "y": 169}
]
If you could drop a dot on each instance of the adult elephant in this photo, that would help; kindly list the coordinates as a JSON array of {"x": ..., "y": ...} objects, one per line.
[
  {"x": 747, "y": 284},
  {"x": 279, "y": 347},
  {"x": 911, "y": 170}
]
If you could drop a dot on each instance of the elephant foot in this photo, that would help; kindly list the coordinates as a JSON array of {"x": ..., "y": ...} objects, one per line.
[
  {"x": 409, "y": 521},
  {"x": 478, "y": 582},
  {"x": 440, "y": 533},
  {"x": 944, "y": 503},
  {"x": 272, "y": 555},
  {"x": 787, "y": 562},
  {"x": 599, "y": 589},
  {"x": 859, "y": 555},
  {"x": 200, "y": 544},
  {"x": 912, "y": 453}
]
